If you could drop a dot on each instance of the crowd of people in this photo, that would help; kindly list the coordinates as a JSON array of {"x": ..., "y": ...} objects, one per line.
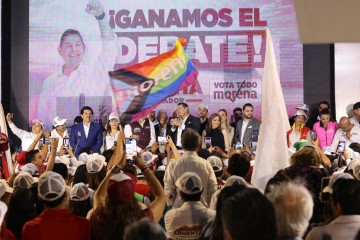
[{"x": 182, "y": 177}]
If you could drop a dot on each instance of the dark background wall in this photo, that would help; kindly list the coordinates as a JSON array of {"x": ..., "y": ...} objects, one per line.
[
  {"x": 15, "y": 59},
  {"x": 318, "y": 65}
]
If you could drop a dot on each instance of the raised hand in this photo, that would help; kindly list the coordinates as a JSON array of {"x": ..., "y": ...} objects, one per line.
[{"x": 94, "y": 8}]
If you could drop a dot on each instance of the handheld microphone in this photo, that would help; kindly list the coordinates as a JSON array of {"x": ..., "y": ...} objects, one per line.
[{"x": 79, "y": 136}]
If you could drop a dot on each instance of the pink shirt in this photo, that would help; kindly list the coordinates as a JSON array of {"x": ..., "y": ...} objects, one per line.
[{"x": 325, "y": 136}]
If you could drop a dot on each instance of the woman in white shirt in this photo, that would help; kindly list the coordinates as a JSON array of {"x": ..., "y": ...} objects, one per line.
[
  {"x": 112, "y": 132},
  {"x": 226, "y": 125}
]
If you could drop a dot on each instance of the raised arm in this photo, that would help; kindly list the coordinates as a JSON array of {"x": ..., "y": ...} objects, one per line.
[{"x": 157, "y": 206}]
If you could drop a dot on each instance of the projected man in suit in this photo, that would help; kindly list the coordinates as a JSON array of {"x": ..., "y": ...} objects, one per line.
[
  {"x": 75, "y": 77},
  {"x": 246, "y": 126},
  {"x": 86, "y": 134},
  {"x": 183, "y": 121}
]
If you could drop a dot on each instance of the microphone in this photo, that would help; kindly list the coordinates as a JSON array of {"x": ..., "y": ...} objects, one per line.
[{"x": 79, "y": 136}]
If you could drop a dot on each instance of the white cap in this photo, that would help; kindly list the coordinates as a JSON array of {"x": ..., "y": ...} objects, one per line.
[
  {"x": 4, "y": 187},
  {"x": 51, "y": 186},
  {"x": 235, "y": 180},
  {"x": 303, "y": 107},
  {"x": 95, "y": 163},
  {"x": 149, "y": 158},
  {"x": 113, "y": 115},
  {"x": 333, "y": 179},
  {"x": 83, "y": 157},
  {"x": 202, "y": 106},
  {"x": 63, "y": 159},
  {"x": 24, "y": 180},
  {"x": 189, "y": 183},
  {"x": 38, "y": 121},
  {"x": 300, "y": 113},
  {"x": 30, "y": 168},
  {"x": 79, "y": 192},
  {"x": 216, "y": 163},
  {"x": 58, "y": 121},
  {"x": 354, "y": 165}
]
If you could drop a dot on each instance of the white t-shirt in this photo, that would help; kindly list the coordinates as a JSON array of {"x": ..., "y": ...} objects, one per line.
[
  {"x": 26, "y": 138},
  {"x": 187, "y": 221}
]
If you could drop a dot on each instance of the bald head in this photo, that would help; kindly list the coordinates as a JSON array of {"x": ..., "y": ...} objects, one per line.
[{"x": 345, "y": 124}]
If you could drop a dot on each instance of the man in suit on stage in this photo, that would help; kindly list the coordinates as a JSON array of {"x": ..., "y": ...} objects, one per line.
[
  {"x": 86, "y": 134},
  {"x": 185, "y": 120},
  {"x": 246, "y": 126}
]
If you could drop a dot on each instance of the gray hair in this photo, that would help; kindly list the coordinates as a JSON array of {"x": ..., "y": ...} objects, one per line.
[
  {"x": 144, "y": 229},
  {"x": 293, "y": 208}
]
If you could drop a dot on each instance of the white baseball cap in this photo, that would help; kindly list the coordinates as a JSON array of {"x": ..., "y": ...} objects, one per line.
[
  {"x": 38, "y": 121},
  {"x": 303, "y": 107},
  {"x": 24, "y": 180},
  {"x": 79, "y": 192},
  {"x": 113, "y": 115},
  {"x": 58, "y": 121},
  {"x": 189, "y": 183},
  {"x": 95, "y": 163},
  {"x": 30, "y": 168},
  {"x": 300, "y": 113},
  {"x": 4, "y": 187},
  {"x": 51, "y": 186},
  {"x": 333, "y": 179},
  {"x": 202, "y": 106},
  {"x": 216, "y": 163}
]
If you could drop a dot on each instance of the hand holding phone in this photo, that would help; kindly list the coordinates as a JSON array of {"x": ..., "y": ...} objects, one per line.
[
  {"x": 239, "y": 145},
  {"x": 207, "y": 142},
  {"x": 341, "y": 147},
  {"x": 162, "y": 140}
]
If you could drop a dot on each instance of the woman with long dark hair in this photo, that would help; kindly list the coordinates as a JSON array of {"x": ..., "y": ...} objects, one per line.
[
  {"x": 114, "y": 203},
  {"x": 217, "y": 135}
]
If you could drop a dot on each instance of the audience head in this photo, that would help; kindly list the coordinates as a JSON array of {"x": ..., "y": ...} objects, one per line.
[
  {"x": 325, "y": 116},
  {"x": 144, "y": 229},
  {"x": 59, "y": 124},
  {"x": 248, "y": 111},
  {"x": 182, "y": 110},
  {"x": 238, "y": 113},
  {"x": 113, "y": 122},
  {"x": 96, "y": 170},
  {"x": 24, "y": 180},
  {"x": 216, "y": 164},
  {"x": 239, "y": 165},
  {"x": 324, "y": 105},
  {"x": 77, "y": 119},
  {"x": 346, "y": 197},
  {"x": 204, "y": 153},
  {"x": 345, "y": 124},
  {"x": 121, "y": 188},
  {"x": 5, "y": 191},
  {"x": 37, "y": 126},
  {"x": 162, "y": 117},
  {"x": 293, "y": 208},
  {"x": 86, "y": 114},
  {"x": 190, "y": 140},
  {"x": 61, "y": 169},
  {"x": 51, "y": 189},
  {"x": 80, "y": 202},
  {"x": 80, "y": 174},
  {"x": 214, "y": 122},
  {"x": 306, "y": 156},
  {"x": 203, "y": 111},
  {"x": 190, "y": 186},
  {"x": 248, "y": 215}
]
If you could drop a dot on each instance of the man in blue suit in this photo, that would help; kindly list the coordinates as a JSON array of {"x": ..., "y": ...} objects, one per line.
[{"x": 86, "y": 134}]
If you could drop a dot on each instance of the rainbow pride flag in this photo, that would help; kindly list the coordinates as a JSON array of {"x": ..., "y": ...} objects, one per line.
[{"x": 138, "y": 89}]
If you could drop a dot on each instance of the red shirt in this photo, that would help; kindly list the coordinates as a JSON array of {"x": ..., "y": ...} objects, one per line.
[
  {"x": 142, "y": 189},
  {"x": 57, "y": 224}
]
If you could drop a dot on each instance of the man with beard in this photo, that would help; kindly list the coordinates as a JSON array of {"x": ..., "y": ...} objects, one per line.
[
  {"x": 246, "y": 126},
  {"x": 202, "y": 114}
]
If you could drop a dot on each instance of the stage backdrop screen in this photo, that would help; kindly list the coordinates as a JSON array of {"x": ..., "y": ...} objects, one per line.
[{"x": 225, "y": 40}]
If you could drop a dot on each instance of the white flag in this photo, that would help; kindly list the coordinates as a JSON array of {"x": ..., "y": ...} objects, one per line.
[
  {"x": 272, "y": 151},
  {"x": 3, "y": 128}
]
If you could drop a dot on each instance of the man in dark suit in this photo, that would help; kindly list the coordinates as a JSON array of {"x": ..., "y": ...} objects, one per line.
[
  {"x": 86, "y": 134},
  {"x": 246, "y": 126},
  {"x": 185, "y": 120}
]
